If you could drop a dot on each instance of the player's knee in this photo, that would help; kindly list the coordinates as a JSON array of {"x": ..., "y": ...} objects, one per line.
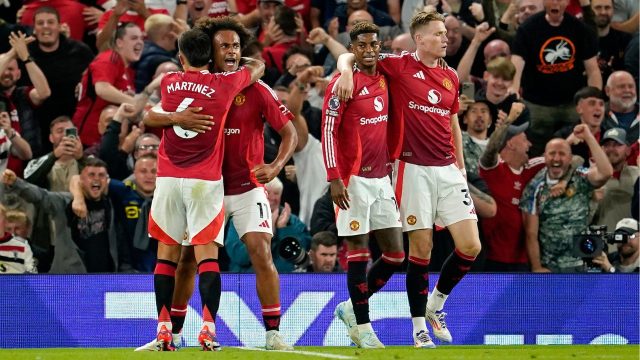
[{"x": 471, "y": 249}]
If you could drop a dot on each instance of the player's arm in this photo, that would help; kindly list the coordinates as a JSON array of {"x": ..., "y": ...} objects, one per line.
[
  {"x": 531, "y": 225},
  {"x": 256, "y": 68},
  {"x": 266, "y": 172},
  {"x": 456, "y": 133},
  {"x": 344, "y": 85},
  {"x": 332, "y": 111},
  {"x": 189, "y": 119}
]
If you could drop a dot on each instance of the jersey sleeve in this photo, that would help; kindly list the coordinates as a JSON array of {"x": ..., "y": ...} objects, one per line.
[
  {"x": 276, "y": 114},
  {"x": 390, "y": 64},
  {"x": 332, "y": 111},
  {"x": 104, "y": 70},
  {"x": 104, "y": 18}
]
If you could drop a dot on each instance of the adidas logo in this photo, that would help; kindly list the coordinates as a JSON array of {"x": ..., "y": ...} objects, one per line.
[
  {"x": 364, "y": 91},
  {"x": 419, "y": 75},
  {"x": 265, "y": 224}
]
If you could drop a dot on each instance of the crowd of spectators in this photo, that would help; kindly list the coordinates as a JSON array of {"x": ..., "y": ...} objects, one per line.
[{"x": 549, "y": 109}]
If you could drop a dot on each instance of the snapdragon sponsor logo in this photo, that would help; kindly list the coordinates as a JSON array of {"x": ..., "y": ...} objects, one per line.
[
  {"x": 374, "y": 120},
  {"x": 231, "y": 131},
  {"x": 428, "y": 109}
]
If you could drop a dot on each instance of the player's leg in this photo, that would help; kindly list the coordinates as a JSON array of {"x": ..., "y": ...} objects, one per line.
[
  {"x": 163, "y": 283},
  {"x": 185, "y": 283},
  {"x": 267, "y": 285},
  {"x": 456, "y": 211},
  {"x": 210, "y": 290},
  {"x": 420, "y": 246}
]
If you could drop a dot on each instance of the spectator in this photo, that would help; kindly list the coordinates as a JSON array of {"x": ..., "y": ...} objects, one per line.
[
  {"x": 323, "y": 254},
  {"x": 590, "y": 108},
  {"x": 267, "y": 31},
  {"x": 553, "y": 47},
  {"x": 109, "y": 81},
  {"x": 159, "y": 47},
  {"x": 631, "y": 58},
  {"x": 10, "y": 140},
  {"x": 516, "y": 13},
  {"x": 62, "y": 60},
  {"x": 125, "y": 11},
  {"x": 22, "y": 99},
  {"x": 477, "y": 119},
  {"x": 403, "y": 42},
  {"x": 75, "y": 14},
  {"x": 387, "y": 33},
  {"x": 323, "y": 217},
  {"x": 550, "y": 223},
  {"x": 615, "y": 203},
  {"x": 622, "y": 111},
  {"x": 611, "y": 42},
  {"x": 287, "y": 229},
  {"x": 344, "y": 10},
  {"x": 17, "y": 222},
  {"x": 15, "y": 253},
  {"x": 456, "y": 46},
  {"x": 285, "y": 19},
  {"x": 625, "y": 16},
  {"x": 626, "y": 259}
]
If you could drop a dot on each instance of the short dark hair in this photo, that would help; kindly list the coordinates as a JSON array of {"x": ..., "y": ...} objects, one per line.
[
  {"x": 252, "y": 47},
  {"x": 195, "y": 46},
  {"x": 46, "y": 10},
  {"x": 58, "y": 120},
  {"x": 91, "y": 161},
  {"x": 587, "y": 92},
  {"x": 121, "y": 31},
  {"x": 297, "y": 49},
  {"x": 422, "y": 18},
  {"x": 363, "y": 27},
  {"x": 285, "y": 17},
  {"x": 212, "y": 25},
  {"x": 324, "y": 238}
]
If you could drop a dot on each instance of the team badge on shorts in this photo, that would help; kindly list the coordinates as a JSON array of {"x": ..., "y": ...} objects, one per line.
[
  {"x": 239, "y": 99},
  {"x": 354, "y": 225},
  {"x": 411, "y": 220},
  {"x": 382, "y": 84},
  {"x": 447, "y": 84},
  {"x": 334, "y": 103}
]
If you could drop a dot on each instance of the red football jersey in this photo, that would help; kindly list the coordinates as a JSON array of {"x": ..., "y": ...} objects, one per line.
[
  {"x": 504, "y": 233},
  {"x": 244, "y": 130},
  {"x": 106, "y": 67},
  {"x": 423, "y": 99},
  {"x": 354, "y": 134},
  {"x": 129, "y": 16},
  {"x": 188, "y": 154}
]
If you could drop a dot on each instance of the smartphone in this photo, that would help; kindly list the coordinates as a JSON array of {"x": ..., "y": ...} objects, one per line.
[
  {"x": 71, "y": 132},
  {"x": 469, "y": 90}
]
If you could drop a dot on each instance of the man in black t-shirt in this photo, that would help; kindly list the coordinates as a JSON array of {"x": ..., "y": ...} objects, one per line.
[{"x": 551, "y": 52}]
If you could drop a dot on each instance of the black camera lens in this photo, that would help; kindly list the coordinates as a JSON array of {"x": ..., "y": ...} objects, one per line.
[{"x": 588, "y": 246}]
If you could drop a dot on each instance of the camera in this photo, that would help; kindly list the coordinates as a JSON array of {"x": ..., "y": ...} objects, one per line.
[
  {"x": 292, "y": 251},
  {"x": 593, "y": 240}
]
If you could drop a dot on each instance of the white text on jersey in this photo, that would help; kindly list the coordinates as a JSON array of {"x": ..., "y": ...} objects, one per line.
[
  {"x": 428, "y": 109},
  {"x": 190, "y": 86},
  {"x": 374, "y": 120}
]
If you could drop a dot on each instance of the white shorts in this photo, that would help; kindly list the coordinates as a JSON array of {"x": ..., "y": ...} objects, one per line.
[
  {"x": 249, "y": 211},
  {"x": 372, "y": 207},
  {"x": 431, "y": 194},
  {"x": 187, "y": 211}
]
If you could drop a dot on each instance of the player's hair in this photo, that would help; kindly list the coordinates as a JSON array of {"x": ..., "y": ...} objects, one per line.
[
  {"x": 423, "y": 18},
  {"x": 501, "y": 67},
  {"x": 17, "y": 216},
  {"x": 91, "y": 161},
  {"x": 285, "y": 17},
  {"x": 274, "y": 184},
  {"x": 195, "y": 46},
  {"x": 212, "y": 25},
  {"x": 155, "y": 24},
  {"x": 58, "y": 120},
  {"x": 324, "y": 238},
  {"x": 363, "y": 27},
  {"x": 46, "y": 10}
]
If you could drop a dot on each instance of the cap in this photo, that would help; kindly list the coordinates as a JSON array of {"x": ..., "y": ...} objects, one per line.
[
  {"x": 616, "y": 134},
  {"x": 514, "y": 130},
  {"x": 627, "y": 225}
]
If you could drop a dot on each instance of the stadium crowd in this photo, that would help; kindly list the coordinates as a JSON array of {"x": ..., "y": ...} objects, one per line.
[{"x": 548, "y": 109}]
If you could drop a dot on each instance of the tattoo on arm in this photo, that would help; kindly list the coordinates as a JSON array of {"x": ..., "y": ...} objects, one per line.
[
  {"x": 489, "y": 158},
  {"x": 480, "y": 195}
]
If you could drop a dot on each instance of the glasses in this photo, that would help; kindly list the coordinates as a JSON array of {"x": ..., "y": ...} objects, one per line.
[{"x": 147, "y": 147}]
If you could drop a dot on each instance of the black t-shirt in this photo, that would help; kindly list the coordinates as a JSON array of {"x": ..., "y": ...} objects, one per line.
[
  {"x": 91, "y": 234},
  {"x": 611, "y": 52},
  {"x": 553, "y": 56}
]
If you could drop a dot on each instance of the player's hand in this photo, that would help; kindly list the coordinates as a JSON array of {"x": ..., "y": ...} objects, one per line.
[
  {"x": 9, "y": 177},
  {"x": 343, "y": 87},
  {"x": 79, "y": 207},
  {"x": 283, "y": 217},
  {"x": 540, "y": 269},
  {"x": 191, "y": 119},
  {"x": 339, "y": 194},
  {"x": 558, "y": 189},
  {"x": 264, "y": 173},
  {"x": 290, "y": 172}
]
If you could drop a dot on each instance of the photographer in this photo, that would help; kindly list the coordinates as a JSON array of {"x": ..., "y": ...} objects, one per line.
[
  {"x": 290, "y": 241},
  {"x": 626, "y": 259}
]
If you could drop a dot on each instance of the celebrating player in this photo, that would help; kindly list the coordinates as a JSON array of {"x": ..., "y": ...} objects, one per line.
[
  {"x": 187, "y": 205},
  {"x": 429, "y": 182},
  {"x": 354, "y": 138},
  {"x": 244, "y": 174}
]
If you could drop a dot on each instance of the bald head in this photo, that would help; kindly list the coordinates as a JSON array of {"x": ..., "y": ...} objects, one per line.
[
  {"x": 621, "y": 90},
  {"x": 557, "y": 157},
  {"x": 496, "y": 48},
  {"x": 403, "y": 42},
  {"x": 356, "y": 17}
]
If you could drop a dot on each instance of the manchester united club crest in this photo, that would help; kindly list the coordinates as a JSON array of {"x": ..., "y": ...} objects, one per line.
[
  {"x": 354, "y": 225},
  {"x": 383, "y": 85},
  {"x": 411, "y": 220},
  {"x": 447, "y": 84},
  {"x": 239, "y": 99}
]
